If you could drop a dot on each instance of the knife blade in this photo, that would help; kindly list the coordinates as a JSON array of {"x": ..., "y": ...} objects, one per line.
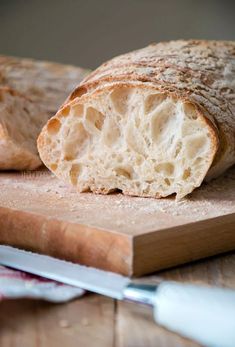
[
  {"x": 204, "y": 314},
  {"x": 88, "y": 278}
]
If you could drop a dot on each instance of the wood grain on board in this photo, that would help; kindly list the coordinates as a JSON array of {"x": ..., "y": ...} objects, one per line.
[{"x": 129, "y": 235}]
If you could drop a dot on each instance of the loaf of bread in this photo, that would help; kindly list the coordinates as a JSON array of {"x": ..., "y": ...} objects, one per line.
[
  {"x": 21, "y": 121},
  {"x": 153, "y": 122},
  {"x": 30, "y": 93},
  {"x": 46, "y": 83}
]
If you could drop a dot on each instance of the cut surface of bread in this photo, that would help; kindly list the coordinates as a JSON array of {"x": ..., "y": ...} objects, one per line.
[
  {"x": 141, "y": 142},
  {"x": 21, "y": 121},
  {"x": 152, "y": 122}
]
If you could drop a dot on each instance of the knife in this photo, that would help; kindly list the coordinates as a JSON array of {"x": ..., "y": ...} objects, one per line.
[{"x": 204, "y": 314}]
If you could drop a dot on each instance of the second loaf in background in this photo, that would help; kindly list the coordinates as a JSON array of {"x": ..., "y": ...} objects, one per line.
[{"x": 30, "y": 93}]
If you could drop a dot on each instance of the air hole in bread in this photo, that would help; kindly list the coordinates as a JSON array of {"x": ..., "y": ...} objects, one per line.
[
  {"x": 165, "y": 168},
  {"x": 53, "y": 126},
  {"x": 134, "y": 140},
  {"x": 167, "y": 181},
  {"x": 198, "y": 161},
  {"x": 77, "y": 110},
  {"x": 195, "y": 146},
  {"x": 94, "y": 119},
  {"x": 119, "y": 98},
  {"x": 111, "y": 132},
  {"x": 65, "y": 111},
  {"x": 74, "y": 172},
  {"x": 78, "y": 92},
  {"x": 53, "y": 166},
  {"x": 69, "y": 157},
  {"x": 76, "y": 142},
  {"x": 123, "y": 171},
  {"x": 163, "y": 122},
  {"x": 190, "y": 110},
  {"x": 153, "y": 101},
  {"x": 190, "y": 129},
  {"x": 149, "y": 181},
  {"x": 187, "y": 173},
  {"x": 178, "y": 148}
]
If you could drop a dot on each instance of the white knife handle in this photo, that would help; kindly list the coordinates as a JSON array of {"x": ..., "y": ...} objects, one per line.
[{"x": 204, "y": 314}]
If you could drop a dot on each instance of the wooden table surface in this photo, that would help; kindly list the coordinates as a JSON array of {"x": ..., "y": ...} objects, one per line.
[{"x": 97, "y": 321}]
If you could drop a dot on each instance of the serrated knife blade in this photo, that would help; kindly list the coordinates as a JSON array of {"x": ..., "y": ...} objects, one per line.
[{"x": 88, "y": 278}]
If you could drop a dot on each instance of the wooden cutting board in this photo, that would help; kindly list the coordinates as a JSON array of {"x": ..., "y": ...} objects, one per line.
[{"x": 132, "y": 236}]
